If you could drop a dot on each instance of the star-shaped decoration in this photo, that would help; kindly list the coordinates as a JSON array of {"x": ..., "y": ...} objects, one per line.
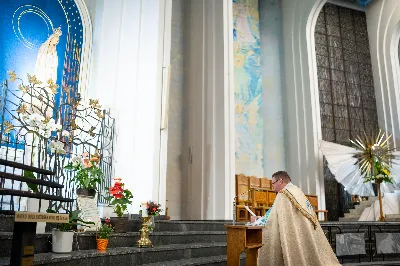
[
  {"x": 23, "y": 88},
  {"x": 8, "y": 127},
  {"x": 33, "y": 80},
  {"x": 94, "y": 103},
  {"x": 22, "y": 109},
  {"x": 53, "y": 87},
  {"x": 12, "y": 75}
]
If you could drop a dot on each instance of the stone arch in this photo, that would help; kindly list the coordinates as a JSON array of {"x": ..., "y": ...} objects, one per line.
[{"x": 86, "y": 48}]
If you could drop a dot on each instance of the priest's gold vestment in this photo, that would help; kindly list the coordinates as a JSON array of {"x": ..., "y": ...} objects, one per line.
[{"x": 293, "y": 235}]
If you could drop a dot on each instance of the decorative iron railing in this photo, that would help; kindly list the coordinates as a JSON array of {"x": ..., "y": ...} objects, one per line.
[{"x": 46, "y": 128}]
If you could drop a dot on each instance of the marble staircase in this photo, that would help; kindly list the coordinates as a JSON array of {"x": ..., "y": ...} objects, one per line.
[
  {"x": 355, "y": 213},
  {"x": 175, "y": 243}
]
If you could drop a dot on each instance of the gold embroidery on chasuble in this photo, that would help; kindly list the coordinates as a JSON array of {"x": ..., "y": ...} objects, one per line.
[{"x": 305, "y": 213}]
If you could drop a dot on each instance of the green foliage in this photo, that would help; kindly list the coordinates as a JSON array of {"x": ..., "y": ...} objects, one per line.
[
  {"x": 105, "y": 230},
  {"x": 31, "y": 175},
  {"x": 380, "y": 174},
  {"x": 74, "y": 221},
  {"x": 86, "y": 178}
]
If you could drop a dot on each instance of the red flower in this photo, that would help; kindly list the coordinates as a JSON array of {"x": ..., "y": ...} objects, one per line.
[
  {"x": 154, "y": 209},
  {"x": 118, "y": 196},
  {"x": 116, "y": 189}
]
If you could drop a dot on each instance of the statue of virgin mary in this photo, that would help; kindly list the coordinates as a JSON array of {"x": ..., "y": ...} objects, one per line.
[
  {"x": 47, "y": 59},
  {"x": 45, "y": 69}
]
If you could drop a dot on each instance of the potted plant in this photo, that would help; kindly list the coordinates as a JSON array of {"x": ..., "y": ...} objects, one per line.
[
  {"x": 87, "y": 173},
  {"x": 120, "y": 198},
  {"x": 379, "y": 174},
  {"x": 63, "y": 235},
  {"x": 153, "y": 209},
  {"x": 103, "y": 234}
]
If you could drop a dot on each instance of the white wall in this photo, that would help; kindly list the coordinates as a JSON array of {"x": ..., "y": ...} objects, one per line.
[
  {"x": 126, "y": 74},
  {"x": 383, "y": 18},
  {"x": 209, "y": 187},
  {"x": 301, "y": 97}
]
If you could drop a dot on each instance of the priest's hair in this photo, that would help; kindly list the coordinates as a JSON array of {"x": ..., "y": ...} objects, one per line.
[{"x": 282, "y": 175}]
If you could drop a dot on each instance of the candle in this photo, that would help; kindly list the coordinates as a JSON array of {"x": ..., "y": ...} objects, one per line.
[{"x": 144, "y": 209}]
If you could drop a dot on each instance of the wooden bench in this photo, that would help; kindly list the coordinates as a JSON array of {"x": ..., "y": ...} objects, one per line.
[
  {"x": 254, "y": 192},
  {"x": 313, "y": 199},
  {"x": 257, "y": 193}
]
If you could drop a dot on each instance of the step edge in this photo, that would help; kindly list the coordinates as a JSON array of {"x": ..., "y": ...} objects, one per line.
[
  {"x": 194, "y": 261},
  {"x": 8, "y": 235},
  {"x": 55, "y": 258}
]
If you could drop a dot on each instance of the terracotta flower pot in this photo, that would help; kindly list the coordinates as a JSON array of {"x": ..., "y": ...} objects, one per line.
[
  {"x": 120, "y": 224},
  {"x": 102, "y": 244}
]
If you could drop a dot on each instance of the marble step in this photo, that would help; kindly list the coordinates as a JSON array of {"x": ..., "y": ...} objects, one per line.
[
  {"x": 364, "y": 204},
  {"x": 211, "y": 261},
  {"x": 351, "y": 215},
  {"x": 374, "y": 263},
  {"x": 214, "y": 253},
  {"x": 183, "y": 226},
  {"x": 344, "y": 219},
  {"x": 7, "y": 225},
  {"x": 355, "y": 212},
  {"x": 87, "y": 241}
]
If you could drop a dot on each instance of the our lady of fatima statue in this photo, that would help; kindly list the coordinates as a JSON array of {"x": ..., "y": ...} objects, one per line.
[
  {"x": 47, "y": 59},
  {"x": 45, "y": 70}
]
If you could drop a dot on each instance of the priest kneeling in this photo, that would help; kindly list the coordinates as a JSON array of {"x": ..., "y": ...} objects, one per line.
[{"x": 292, "y": 234}]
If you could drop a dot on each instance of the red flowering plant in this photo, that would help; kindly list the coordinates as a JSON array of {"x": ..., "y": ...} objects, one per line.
[{"x": 120, "y": 197}]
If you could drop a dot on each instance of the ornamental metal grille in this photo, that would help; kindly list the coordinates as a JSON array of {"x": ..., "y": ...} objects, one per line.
[{"x": 346, "y": 89}]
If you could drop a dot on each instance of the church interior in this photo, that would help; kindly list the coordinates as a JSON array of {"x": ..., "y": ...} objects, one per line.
[{"x": 147, "y": 132}]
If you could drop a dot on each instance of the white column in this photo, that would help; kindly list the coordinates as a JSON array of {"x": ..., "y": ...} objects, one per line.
[
  {"x": 301, "y": 97},
  {"x": 272, "y": 83},
  {"x": 126, "y": 77},
  {"x": 383, "y": 19},
  {"x": 210, "y": 184}
]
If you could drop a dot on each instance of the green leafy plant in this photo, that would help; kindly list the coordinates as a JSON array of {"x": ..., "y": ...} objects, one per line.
[
  {"x": 31, "y": 175},
  {"x": 120, "y": 198},
  {"x": 87, "y": 173},
  {"x": 105, "y": 230},
  {"x": 74, "y": 221},
  {"x": 380, "y": 174}
]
